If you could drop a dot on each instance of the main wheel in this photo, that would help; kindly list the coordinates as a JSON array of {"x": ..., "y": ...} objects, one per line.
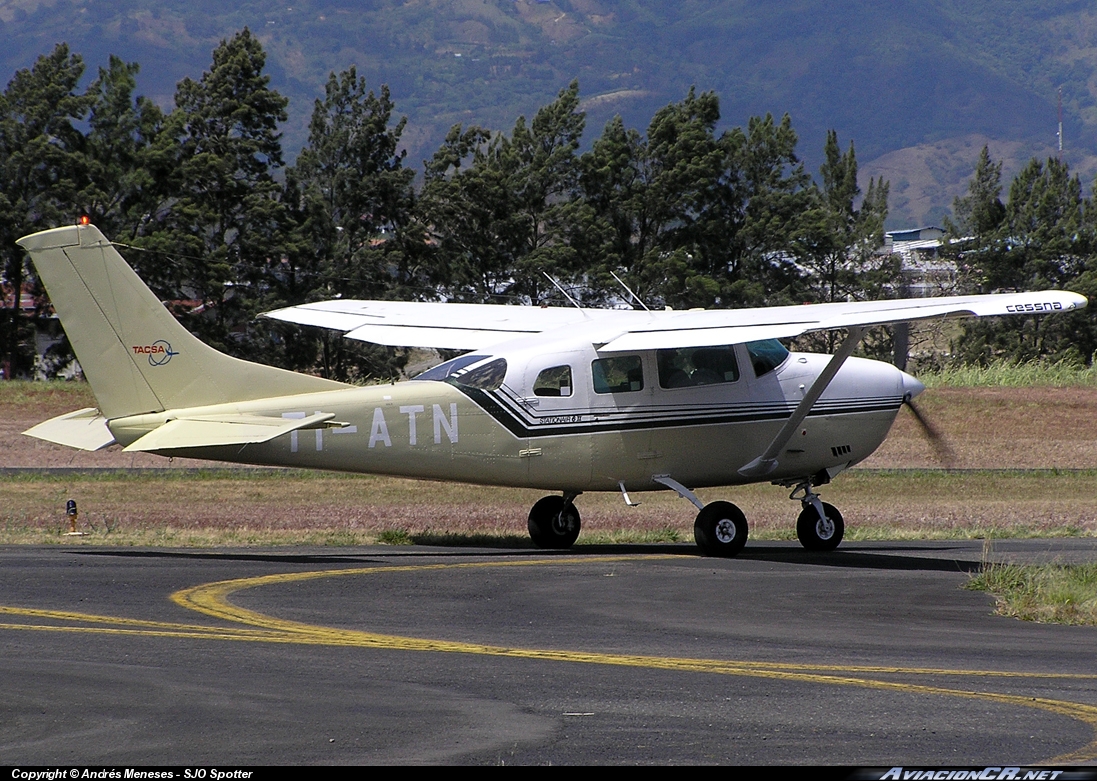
[
  {"x": 720, "y": 529},
  {"x": 552, "y": 525},
  {"x": 817, "y": 534}
]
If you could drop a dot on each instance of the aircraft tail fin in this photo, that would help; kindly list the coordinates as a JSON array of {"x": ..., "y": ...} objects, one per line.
[{"x": 136, "y": 356}]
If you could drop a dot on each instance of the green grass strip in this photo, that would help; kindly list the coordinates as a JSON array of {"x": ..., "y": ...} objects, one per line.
[{"x": 1047, "y": 593}]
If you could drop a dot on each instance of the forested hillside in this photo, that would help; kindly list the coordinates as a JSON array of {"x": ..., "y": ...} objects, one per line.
[{"x": 936, "y": 78}]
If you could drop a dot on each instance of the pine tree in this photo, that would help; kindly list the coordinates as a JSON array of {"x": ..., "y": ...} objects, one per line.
[
  {"x": 839, "y": 239},
  {"x": 122, "y": 187},
  {"x": 762, "y": 192},
  {"x": 220, "y": 231},
  {"x": 980, "y": 212},
  {"x": 686, "y": 162},
  {"x": 41, "y": 168},
  {"x": 1043, "y": 237},
  {"x": 354, "y": 202},
  {"x": 505, "y": 217},
  {"x": 648, "y": 197},
  {"x": 353, "y": 170}
]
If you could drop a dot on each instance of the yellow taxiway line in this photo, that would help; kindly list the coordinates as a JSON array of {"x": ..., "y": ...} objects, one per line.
[{"x": 212, "y": 599}]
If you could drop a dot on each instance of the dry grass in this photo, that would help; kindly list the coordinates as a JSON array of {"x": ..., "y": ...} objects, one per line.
[
  {"x": 998, "y": 427},
  {"x": 267, "y": 507}
]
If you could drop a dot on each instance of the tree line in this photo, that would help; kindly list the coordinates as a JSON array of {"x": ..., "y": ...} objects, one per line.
[
  {"x": 1043, "y": 235},
  {"x": 222, "y": 229}
]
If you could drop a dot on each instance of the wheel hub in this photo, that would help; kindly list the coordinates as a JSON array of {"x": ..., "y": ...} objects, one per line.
[
  {"x": 562, "y": 523},
  {"x": 725, "y": 530},
  {"x": 825, "y": 528}
]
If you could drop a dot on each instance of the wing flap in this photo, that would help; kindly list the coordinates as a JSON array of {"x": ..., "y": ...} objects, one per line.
[
  {"x": 442, "y": 338},
  {"x": 217, "y": 430},
  {"x": 84, "y": 429},
  {"x": 666, "y": 339}
]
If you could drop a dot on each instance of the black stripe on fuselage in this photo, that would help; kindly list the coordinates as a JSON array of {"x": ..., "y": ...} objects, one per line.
[{"x": 520, "y": 428}]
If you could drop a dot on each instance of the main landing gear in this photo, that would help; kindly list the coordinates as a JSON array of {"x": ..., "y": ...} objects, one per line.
[
  {"x": 554, "y": 522},
  {"x": 721, "y": 528}
]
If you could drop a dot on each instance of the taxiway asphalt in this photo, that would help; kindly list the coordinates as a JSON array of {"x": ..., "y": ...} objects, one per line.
[{"x": 872, "y": 655}]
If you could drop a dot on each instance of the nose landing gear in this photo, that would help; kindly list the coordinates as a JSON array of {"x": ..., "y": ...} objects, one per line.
[{"x": 819, "y": 526}]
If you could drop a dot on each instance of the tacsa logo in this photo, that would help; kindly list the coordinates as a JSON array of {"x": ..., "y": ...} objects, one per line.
[{"x": 159, "y": 352}]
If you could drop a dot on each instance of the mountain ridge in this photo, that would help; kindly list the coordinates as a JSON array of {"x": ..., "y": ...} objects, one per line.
[{"x": 921, "y": 79}]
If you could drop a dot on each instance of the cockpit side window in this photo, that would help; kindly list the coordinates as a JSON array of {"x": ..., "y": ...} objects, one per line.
[
  {"x": 622, "y": 374},
  {"x": 687, "y": 367},
  {"x": 555, "y": 381},
  {"x": 766, "y": 355}
]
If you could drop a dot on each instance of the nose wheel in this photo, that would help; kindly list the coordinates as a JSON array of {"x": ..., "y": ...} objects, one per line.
[
  {"x": 820, "y": 532},
  {"x": 820, "y": 526}
]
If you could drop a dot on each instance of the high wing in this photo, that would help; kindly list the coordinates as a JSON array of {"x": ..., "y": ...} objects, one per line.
[{"x": 475, "y": 326}]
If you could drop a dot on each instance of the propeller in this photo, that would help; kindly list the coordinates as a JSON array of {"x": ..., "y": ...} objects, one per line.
[{"x": 941, "y": 448}]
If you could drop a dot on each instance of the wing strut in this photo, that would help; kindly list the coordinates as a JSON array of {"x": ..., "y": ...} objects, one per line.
[{"x": 767, "y": 462}]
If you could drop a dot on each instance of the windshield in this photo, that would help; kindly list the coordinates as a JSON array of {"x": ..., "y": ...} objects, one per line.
[
  {"x": 488, "y": 376},
  {"x": 766, "y": 355},
  {"x": 443, "y": 370}
]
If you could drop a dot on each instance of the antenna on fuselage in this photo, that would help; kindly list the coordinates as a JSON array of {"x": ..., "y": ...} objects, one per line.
[
  {"x": 628, "y": 290},
  {"x": 561, "y": 289}
]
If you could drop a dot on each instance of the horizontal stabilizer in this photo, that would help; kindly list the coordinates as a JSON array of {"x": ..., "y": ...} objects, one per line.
[
  {"x": 84, "y": 429},
  {"x": 216, "y": 430}
]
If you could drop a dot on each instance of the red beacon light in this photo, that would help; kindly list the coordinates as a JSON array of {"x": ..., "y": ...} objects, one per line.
[{"x": 85, "y": 220}]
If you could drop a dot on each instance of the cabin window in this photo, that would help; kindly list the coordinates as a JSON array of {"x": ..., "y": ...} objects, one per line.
[
  {"x": 623, "y": 374},
  {"x": 687, "y": 367},
  {"x": 488, "y": 376},
  {"x": 553, "y": 382},
  {"x": 766, "y": 355}
]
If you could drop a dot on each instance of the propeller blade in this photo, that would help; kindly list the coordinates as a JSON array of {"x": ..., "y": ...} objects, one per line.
[{"x": 941, "y": 449}]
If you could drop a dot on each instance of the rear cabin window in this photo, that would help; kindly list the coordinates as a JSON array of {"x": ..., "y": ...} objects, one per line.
[
  {"x": 688, "y": 367},
  {"x": 766, "y": 355},
  {"x": 623, "y": 374},
  {"x": 553, "y": 382}
]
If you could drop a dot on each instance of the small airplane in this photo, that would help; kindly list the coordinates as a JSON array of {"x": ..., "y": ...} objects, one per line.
[{"x": 562, "y": 399}]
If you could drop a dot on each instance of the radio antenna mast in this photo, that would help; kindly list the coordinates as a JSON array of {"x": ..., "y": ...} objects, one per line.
[
  {"x": 1060, "y": 124},
  {"x": 628, "y": 290}
]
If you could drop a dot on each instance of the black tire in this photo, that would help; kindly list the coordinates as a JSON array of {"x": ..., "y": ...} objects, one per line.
[
  {"x": 551, "y": 525},
  {"x": 720, "y": 529},
  {"x": 814, "y": 534}
]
